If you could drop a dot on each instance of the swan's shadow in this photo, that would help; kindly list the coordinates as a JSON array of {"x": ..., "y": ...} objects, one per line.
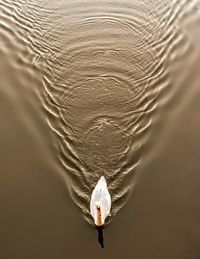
[{"x": 100, "y": 236}]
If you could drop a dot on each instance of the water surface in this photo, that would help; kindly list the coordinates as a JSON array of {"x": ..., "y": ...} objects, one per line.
[{"x": 91, "y": 88}]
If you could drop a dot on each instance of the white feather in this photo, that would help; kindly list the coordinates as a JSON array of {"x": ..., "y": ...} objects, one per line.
[{"x": 100, "y": 197}]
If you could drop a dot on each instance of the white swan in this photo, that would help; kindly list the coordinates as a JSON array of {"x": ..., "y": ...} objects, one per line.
[{"x": 100, "y": 203}]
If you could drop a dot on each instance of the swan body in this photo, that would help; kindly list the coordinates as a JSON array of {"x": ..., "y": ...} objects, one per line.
[{"x": 100, "y": 203}]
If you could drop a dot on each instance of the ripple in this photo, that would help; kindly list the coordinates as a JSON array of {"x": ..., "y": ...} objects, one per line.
[
  {"x": 101, "y": 90},
  {"x": 107, "y": 67}
]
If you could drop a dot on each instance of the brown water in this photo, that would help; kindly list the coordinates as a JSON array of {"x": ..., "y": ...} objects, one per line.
[{"x": 91, "y": 88}]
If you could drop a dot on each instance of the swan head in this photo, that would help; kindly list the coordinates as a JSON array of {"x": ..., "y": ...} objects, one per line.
[{"x": 99, "y": 220}]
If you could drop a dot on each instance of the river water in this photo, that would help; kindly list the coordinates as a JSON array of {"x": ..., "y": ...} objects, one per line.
[{"x": 91, "y": 88}]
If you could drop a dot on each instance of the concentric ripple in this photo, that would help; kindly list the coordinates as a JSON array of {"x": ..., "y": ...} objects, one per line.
[
  {"x": 104, "y": 69},
  {"x": 101, "y": 97}
]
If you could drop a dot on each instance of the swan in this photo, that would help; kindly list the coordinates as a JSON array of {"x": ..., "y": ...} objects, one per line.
[{"x": 100, "y": 203}]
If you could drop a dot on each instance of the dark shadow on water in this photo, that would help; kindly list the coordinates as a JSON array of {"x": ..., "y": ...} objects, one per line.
[{"x": 100, "y": 236}]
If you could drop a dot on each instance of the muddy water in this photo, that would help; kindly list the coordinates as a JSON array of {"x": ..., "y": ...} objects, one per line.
[{"x": 91, "y": 88}]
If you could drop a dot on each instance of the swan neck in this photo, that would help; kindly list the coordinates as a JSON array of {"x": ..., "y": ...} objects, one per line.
[{"x": 99, "y": 216}]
